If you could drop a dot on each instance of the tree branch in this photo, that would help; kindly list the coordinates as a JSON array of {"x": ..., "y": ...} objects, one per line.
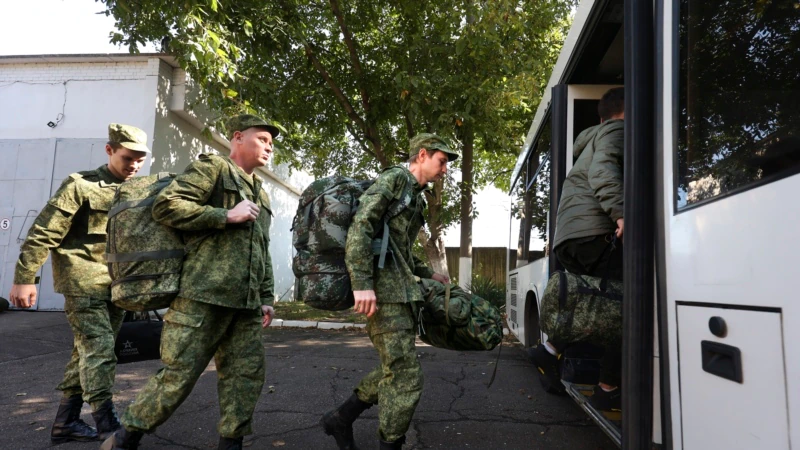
[
  {"x": 337, "y": 91},
  {"x": 360, "y": 142},
  {"x": 351, "y": 47},
  {"x": 409, "y": 125}
]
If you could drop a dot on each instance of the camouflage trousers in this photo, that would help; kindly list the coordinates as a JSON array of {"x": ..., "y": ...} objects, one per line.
[
  {"x": 90, "y": 372},
  {"x": 396, "y": 383},
  {"x": 193, "y": 333}
]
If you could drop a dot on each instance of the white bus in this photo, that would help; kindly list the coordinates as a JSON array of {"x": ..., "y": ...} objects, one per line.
[{"x": 711, "y": 324}]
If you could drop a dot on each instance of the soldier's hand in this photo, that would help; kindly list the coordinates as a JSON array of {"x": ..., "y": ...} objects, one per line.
[
  {"x": 441, "y": 278},
  {"x": 23, "y": 295},
  {"x": 366, "y": 303},
  {"x": 269, "y": 314},
  {"x": 245, "y": 211},
  {"x": 620, "y": 227}
]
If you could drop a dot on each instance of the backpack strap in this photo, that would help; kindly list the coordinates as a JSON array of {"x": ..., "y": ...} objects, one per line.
[{"x": 395, "y": 208}]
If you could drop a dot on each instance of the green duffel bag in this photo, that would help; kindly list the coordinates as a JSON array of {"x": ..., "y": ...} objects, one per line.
[
  {"x": 581, "y": 308},
  {"x": 454, "y": 319}
]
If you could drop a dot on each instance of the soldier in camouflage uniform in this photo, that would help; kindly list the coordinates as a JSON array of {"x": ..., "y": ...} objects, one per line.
[
  {"x": 589, "y": 216},
  {"x": 390, "y": 296},
  {"x": 226, "y": 288},
  {"x": 72, "y": 226}
]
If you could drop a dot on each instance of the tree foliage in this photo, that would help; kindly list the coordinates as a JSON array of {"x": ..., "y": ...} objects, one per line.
[{"x": 351, "y": 81}]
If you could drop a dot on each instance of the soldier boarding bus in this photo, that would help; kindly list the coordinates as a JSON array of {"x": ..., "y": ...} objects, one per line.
[{"x": 710, "y": 305}]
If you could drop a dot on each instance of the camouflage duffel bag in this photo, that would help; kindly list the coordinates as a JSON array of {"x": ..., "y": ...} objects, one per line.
[
  {"x": 454, "y": 319},
  {"x": 581, "y": 308}
]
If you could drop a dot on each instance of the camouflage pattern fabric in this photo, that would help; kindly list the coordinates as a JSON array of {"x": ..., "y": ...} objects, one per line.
[
  {"x": 319, "y": 234},
  {"x": 228, "y": 264},
  {"x": 73, "y": 227},
  {"x": 431, "y": 141},
  {"x": 128, "y": 136},
  {"x": 477, "y": 325},
  {"x": 444, "y": 306},
  {"x": 144, "y": 256},
  {"x": 575, "y": 308},
  {"x": 95, "y": 324},
  {"x": 395, "y": 283},
  {"x": 395, "y": 385},
  {"x": 193, "y": 333},
  {"x": 245, "y": 121}
]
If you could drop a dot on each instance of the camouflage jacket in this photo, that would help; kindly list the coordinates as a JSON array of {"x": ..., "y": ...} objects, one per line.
[
  {"x": 227, "y": 264},
  {"x": 395, "y": 282},
  {"x": 72, "y": 226}
]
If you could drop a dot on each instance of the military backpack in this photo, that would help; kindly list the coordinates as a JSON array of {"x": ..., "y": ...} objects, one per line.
[
  {"x": 319, "y": 234},
  {"x": 144, "y": 257}
]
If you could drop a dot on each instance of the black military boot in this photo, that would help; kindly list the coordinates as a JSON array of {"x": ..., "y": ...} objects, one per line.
[
  {"x": 68, "y": 425},
  {"x": 106, "y": 420},
  {"x": 123, "y": 439},
  {"x": 396, "y": 445},
  {"x": 230, "y": 443},
  {"x": 339, "y": 422}
]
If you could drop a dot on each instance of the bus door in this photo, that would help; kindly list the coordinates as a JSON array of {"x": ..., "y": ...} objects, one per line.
[{"x": 731, "y": 140}]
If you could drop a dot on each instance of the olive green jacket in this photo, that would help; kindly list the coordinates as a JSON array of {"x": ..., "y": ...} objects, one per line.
[
  {"x": 592, "y": 197},
  {"x": 227, "y": 264},
  {"x": 394, "y": 283},
  {"x": 72, "y": 226}
]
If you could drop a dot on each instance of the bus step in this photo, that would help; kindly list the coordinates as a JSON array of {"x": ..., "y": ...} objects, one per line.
[{"x": 609, "y": 422}]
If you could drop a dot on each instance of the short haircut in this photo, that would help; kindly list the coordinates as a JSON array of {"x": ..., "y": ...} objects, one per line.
[
  {"x": 612, "y": 103},
  {"x": 114, "y": 145},
  {"x": 415, "y": 156}
]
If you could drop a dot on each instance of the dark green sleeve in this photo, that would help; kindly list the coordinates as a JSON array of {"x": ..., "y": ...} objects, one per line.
[
  {"x": 47, "y": 231},
  {"x": 373, "y": 205},
  {"x": 421, "y": 269},
  {"x": 182, "y": 204},
  {"x": 605, "y": 173}
]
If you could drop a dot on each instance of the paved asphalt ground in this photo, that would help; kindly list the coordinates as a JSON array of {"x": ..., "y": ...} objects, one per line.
[{"x": 309, "y": 371}]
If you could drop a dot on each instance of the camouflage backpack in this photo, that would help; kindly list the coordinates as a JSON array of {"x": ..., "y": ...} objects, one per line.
[
  {"x": 454, "y": 319},
  {"x": 319, "y": 233},
  {"x": 144, "y": 257}
]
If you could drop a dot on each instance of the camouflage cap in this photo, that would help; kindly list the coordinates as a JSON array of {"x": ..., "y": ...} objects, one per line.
[
  {"x": 431, "y": 141},
  {"x": 245, "y": 121},
  {"x": 128, "y": 136}
]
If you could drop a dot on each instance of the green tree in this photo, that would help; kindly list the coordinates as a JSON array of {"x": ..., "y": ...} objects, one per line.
[{"x": 351, "y": 81}]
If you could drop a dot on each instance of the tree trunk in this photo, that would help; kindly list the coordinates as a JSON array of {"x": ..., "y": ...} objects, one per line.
[
  {"x": 435, "y": 251},
  {"x": 433, "y": 243},
  {"x": 465, "y": 253}
]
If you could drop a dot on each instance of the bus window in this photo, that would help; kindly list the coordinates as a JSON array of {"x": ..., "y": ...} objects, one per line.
[
  {"x": 532, "y": 203},
  {"x": 739, "y": 88}
]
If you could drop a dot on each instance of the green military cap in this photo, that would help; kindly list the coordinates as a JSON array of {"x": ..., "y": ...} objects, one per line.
[
  {"x": 128, "y": 136},
  {"x": 431, "y": 142},
  {"x": 245, "y": 121}
]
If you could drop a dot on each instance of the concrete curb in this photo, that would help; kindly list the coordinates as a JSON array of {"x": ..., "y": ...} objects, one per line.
[
  {"x": 328, "y": 325},
  {"x": 311, "y": 324}
]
